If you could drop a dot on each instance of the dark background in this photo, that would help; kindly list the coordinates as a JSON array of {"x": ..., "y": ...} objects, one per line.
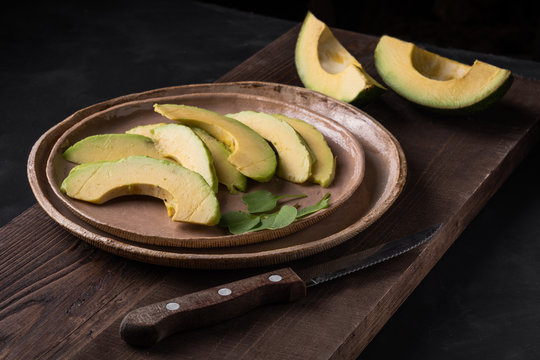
[
  {"x": 480, "y": 301},
  {"x": 502, "y": 27},
  {"x": 73, "y": 48}
]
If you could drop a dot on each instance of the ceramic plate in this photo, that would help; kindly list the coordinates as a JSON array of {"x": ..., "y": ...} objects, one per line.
[
  {"x": 144, "y": 219},
  {"x": 383, "y": 180}
]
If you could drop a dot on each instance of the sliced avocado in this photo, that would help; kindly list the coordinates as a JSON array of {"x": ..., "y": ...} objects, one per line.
[
  {"x": 294, "y": 156},
  {"x": 181, "y": 144},
  {"x": 250, "y": 153},
  {"x": 186, "y": 194},
  {"x": 324, "y": 65},
  {"x": 437, "y": 82},
  {"x": 144, "y": 130},
  {"x": 227, "y": 174},
  {"x": 323, "y": 169},
  {"x": 110, "y": 147}
]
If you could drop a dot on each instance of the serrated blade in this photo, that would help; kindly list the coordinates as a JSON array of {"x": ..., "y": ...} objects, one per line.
[{"x": 333, "y": 269}]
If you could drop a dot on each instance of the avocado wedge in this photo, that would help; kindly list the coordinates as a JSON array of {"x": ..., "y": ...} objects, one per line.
[
  {"x": 226, "y": 173},
  {"x": 144, "y": 130},
  {"x": 294, "y": 156},
  {"x": 181, "y": 144},
  {"x": 436, "y": 82},
  {"x": 186, "y": 194},
  {"x": 323, "y": 169},
  {"x": 250, "y": 153},
  {"x": 324, "y": 65},
  {"x": 110, "y": 147}
]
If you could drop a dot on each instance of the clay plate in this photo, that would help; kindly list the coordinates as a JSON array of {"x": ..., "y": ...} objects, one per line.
[
  {"x": 144, "y": 219},
  {"x": 384, "y": 178}
]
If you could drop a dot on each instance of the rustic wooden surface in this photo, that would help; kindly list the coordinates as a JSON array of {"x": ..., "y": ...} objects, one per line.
[
  {"x": 61, "y": 298},
  {"x": 147, "y": 325}
]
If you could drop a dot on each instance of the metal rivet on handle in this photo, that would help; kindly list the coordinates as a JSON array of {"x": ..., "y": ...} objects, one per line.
[
  {"x": 172, "y": 306},
  {"x": 274, "y": 278},
  {"x": 224, "y": 292}
]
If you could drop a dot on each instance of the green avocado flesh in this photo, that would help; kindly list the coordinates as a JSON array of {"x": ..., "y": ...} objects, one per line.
[
  {"x": 437, "y": 82},
  {"x": 324, "y": 65},
  {"x": 226, "y": 173},
  {"x": 144, "y": 130},
  {"x": 294, "y": 156},
  {"x": 108, "y": 147},
  {"x": 181, "y": 144},
  {"x": 250, "y": 153},
  {"x": 323, "y": 168},
  {"x": 186, "y": 194}
]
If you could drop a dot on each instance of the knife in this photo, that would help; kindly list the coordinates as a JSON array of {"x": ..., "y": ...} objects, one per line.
[{"x": 147, "y": 325}]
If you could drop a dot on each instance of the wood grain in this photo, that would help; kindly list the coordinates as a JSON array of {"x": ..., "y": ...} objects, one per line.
[
  {"x": 147, "y": 325},
  {"x": 64, "y": 299}
]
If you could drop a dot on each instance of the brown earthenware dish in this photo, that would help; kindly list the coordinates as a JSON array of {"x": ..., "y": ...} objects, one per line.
[{"x": 382, "y": 173}]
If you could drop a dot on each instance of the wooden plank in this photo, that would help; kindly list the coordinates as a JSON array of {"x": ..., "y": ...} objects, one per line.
[
  {"x": 52, "y": 284},
  {"x": 451, "y": 177},
  {"x": 64, "y": 299}
]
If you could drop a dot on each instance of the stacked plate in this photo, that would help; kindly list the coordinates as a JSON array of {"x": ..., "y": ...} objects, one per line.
[{"x": 370, "y": 174}]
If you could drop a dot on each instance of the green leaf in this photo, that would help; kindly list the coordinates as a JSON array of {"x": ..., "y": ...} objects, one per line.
[
  {"x": 322, "y": 204},
  {"x": 239, "y": 222},
  {"x": 277, "y": 220},
  {"x": 262, "y": 201},
  {"x": 284, "y": 217}
]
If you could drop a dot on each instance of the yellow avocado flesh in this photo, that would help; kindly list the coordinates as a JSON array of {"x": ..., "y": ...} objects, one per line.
[
  {"x": 186, "y": 194},
  {"x": 250, "y": 153},
  {"x": 324, "y": 65},
  {"x": 435, "y": 81},
  {"x": 227, "y": 174},
  {"x": 106, "y": 147},
  {"x": 144, "y": 130},
  {"x": 323, "y": 169},
  {"x": 294, "y": 157},
  {"x": 181, "y": 144}
]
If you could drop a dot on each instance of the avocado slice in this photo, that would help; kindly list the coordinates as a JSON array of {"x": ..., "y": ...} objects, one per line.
[
  {"x": 294, "y": 157},
  {"x": 323, "y": 169},
  {"x": 227, "y": 174},
  {"x": 181, "y": 144},
  {"x": 250, "y": 153},
  {"x": 186, "y": 194},
  {"x": 110, "y": 147},
  {"x": 144, "y": 130},
  {"x": 437, "y": 82},
  {"x": 324, "y": 65}
]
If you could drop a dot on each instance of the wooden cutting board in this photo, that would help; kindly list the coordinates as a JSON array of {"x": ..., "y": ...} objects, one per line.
[{"x": 65, "y": 299}]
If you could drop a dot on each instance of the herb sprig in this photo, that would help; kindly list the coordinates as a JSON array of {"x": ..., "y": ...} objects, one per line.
[{"x": 259, "y": 216}]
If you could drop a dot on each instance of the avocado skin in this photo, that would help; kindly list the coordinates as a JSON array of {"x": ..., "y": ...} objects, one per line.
[
  {"x": 371, "y": 91},
  {"x": 480, "y": 106},
  {"x": 367, "y": 96}
]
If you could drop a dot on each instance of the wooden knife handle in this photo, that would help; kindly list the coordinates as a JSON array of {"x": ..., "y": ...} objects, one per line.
[{"x": 147, "y": 325}]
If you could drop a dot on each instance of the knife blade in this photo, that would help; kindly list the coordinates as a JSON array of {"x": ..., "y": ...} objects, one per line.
[{"x": 148, "y": 325}]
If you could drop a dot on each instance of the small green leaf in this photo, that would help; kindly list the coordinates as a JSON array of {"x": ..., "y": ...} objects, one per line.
[
  {"x": 284, "y": 217},
  {"x": 322, "y": 204},
  {"x": 239, "y": 222},
  {"x": 277, "y": 220},
  {"x": 262, "y": 201}
]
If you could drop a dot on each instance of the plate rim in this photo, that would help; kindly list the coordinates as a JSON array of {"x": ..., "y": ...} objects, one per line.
[
  {"x": 164, "y": 257},
  {"x": 205, "y": 241}
]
